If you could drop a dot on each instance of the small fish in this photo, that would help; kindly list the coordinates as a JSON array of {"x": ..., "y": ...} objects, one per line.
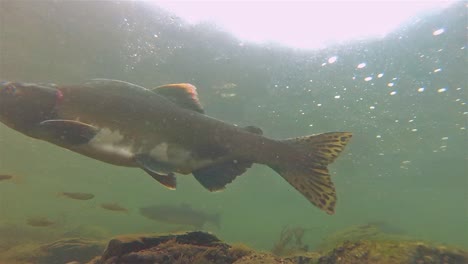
[
  {"x": 114, "y": 207},
  {"x": 77, "y": 195},
  {"x": 9, "y": 177},
  {"x": 182, "y": 214},
  {"x": 39, "y": 222},
  {"x": 5, "y": 177}
]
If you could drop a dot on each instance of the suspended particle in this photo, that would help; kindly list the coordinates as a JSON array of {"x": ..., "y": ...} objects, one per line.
[
  {"x": 441, "y": 90},
  {"x": 332, "y": 59},
  {"x": 438, "y": 32}
]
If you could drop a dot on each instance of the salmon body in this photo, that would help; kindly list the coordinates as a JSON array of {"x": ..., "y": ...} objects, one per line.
[{"x": 165, "y": 131}]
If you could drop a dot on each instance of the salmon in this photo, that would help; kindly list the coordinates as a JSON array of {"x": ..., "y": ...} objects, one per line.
[{"x": 165, "y": 131}]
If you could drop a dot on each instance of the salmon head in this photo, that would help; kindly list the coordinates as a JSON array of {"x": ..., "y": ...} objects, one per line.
[{"x": 24, "y": 105}]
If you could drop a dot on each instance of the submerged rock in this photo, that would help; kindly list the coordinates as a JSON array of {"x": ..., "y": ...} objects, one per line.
[
  {"x": 393, "y": 252},
  {"x": 205, "y": 248},
  {"x": 191, "y": 247},
  {"x": 372, "y": 231},
  {"x": 381, "y": 243}
]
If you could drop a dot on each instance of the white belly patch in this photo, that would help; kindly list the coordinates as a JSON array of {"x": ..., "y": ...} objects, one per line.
[
  {"x": 160, "y": 152},
  {"x": 111, "y": 143},
  {"x": 177, "y": 158}
]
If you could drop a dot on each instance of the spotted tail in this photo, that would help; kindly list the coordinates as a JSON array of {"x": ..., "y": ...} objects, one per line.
[{"x": 309, "y": 175}]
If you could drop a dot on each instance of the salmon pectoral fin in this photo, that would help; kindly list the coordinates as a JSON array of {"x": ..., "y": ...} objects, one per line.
[
  {"x": 310, "y": 174},
  {"x": 216, "y": 177},
  {"x": 69, "y": 132}
]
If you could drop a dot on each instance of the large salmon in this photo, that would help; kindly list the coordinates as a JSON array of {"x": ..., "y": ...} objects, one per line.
[{"x": 165, "y": 131}]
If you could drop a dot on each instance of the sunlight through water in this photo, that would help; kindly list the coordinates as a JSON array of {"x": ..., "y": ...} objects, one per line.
[{"x": 301, "y": 24}]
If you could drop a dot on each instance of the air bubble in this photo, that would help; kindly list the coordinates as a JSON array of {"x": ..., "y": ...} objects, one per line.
[
  {"x": 332, "y": 59},
  {"x": 438, "y": 32},
  {"x": 441, "y": 90},
  {"x": 361, "y": 65}
]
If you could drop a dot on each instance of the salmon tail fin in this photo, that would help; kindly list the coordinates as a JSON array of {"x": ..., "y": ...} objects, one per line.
[{"x": 310, "y": 175}]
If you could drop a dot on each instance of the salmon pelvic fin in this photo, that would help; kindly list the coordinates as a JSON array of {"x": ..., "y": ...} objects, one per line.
[{"x": 310, "y": 174}]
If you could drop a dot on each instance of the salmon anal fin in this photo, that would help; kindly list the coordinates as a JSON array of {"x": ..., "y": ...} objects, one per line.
[
  {"x": 217, "y": 176},
  {"x": 153, "y": 168},
  {"x": 168, "y": 181},
  {"x": 182, "y": 94},
  {"x": 69, "y": 132}
]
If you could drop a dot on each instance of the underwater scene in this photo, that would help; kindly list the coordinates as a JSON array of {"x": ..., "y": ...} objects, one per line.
[{"x": 129, "y": 134}]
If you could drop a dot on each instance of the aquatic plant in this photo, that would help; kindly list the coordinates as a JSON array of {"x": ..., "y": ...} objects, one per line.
[{"x": 290, "y": 241}]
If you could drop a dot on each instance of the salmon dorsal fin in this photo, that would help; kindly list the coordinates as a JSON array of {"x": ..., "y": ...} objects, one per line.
[{"x": 182, "y": 94}]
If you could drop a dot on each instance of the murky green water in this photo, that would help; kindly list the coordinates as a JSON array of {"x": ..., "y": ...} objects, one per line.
[{"x": 403, "y": 97}]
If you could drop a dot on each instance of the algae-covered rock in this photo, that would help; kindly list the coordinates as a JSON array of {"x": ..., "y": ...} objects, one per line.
[
  {"x": 205, "y": 248},
  {"x": 191, "y": 247},
  {"x": 258, "y": 258},
  {"x": 378, "y": 231},
  {"x": 393, "y": 252},
  {"x": 381, "y": 243}
]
